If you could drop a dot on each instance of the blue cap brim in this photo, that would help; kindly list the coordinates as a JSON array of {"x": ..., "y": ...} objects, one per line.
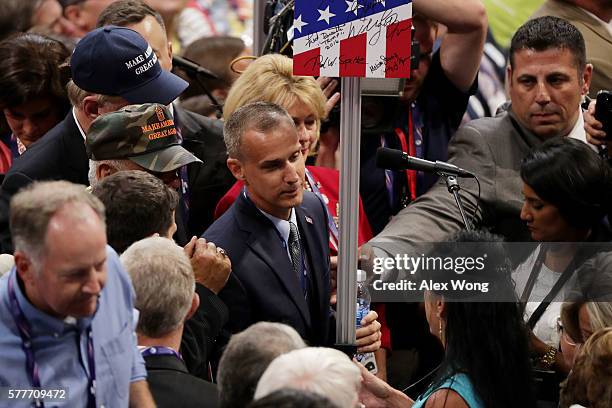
[{"x": 163, "y": 89}]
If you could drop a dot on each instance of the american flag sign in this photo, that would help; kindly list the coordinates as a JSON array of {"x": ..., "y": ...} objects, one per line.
[{"x": 352, "y": 38}]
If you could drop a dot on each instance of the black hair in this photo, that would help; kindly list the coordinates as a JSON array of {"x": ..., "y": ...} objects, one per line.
[
  {"x": 127, "y": 12},
  {"x": 548, "y": 32},
  {"x": 30, "y": 67},
  {"x": 486, "y": 340},
  {"x": 16, "y": 16},
  {"x": 568, "y": 174},
  {"x": 137, "y": 204},
  {"x": 215, "y": 54}
]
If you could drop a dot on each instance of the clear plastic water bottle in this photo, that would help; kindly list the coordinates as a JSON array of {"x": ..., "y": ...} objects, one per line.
[{"x": 363, "y": 308}]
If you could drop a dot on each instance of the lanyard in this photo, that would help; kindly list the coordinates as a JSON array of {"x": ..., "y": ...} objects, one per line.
[
  {"x": 159, "y": 351},
  {"x": 25, "y": 332},
  {"x": 535, "y": 271},
  {"x": 408, "y": 147},
  {"x": 331, "y": 225}
]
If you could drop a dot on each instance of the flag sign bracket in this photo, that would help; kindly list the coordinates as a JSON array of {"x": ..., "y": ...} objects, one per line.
[{"x": 351, "y": 39}]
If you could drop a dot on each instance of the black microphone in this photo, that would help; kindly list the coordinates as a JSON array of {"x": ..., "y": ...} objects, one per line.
[
  {"x": 393, "y": 159},
  {"x": 191, "y": 67}
]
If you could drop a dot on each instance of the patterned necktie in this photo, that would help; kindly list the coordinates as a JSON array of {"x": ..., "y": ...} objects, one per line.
[{"x": 295, "y": 250}]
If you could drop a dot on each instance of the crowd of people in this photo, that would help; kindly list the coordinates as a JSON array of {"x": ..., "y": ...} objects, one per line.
[{"x": 170, "y": 238}]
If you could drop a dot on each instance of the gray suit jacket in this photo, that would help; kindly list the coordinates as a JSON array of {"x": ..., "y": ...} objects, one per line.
[
  {"x": 596, "y": 36},
  {"x": 491, "y": 148}
]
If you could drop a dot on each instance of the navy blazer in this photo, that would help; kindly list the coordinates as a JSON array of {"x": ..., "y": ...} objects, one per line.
[
  {"x": 59, "y": 155},
  {"x": 263, "y": 286}
]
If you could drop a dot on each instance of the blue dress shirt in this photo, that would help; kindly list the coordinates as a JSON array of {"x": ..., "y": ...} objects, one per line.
[{"x": 60, "y": 346}]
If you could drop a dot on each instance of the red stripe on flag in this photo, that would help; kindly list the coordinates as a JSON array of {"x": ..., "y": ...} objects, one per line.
[
  {"x": 398, "y": 50},
  {"x": 353, "y": 56},
  {"x": 307, "y": 63}
]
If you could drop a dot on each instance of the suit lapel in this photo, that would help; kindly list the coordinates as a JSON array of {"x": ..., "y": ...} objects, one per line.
[
  {"x": 266, "y": 243},
  {"x": 309, "y": 243},
  {"x": 76, "y": 163}
]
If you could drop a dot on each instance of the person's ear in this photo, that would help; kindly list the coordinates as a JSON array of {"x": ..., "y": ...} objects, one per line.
[
  {"x": 74, "y": 14},
  {"x": 237, "y": 169},
  {"x": 195, "y": 303},
  {"x": 24, "y": 267},
  {"x": 587, "y": 75},
  {"x": 170, "y": 52},
  {"x": 441, "y": 308},
  {"x": 104, "y": 170},
  {"x": 509, "y": 74},
  {"x": 91, "y": 107}
]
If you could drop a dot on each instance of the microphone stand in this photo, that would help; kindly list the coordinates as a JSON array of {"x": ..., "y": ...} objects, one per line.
[
  {"x": 453, "y": 187},
  {"x": 196, "y": 75}
]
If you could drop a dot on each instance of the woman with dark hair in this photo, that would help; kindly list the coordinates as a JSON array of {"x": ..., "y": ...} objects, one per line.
[
  {"x": 565, "y": 181},
  {"x": 486, "y": 355},
  {"x": 567, "y": 188},
  {"x": 32, "y": 87}
]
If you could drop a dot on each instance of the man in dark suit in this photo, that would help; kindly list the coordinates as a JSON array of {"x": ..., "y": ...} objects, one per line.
[
  {"x": 548, "y": 77},
  {"x": 164, "y": 283},
  {"x": 137, "y": 77},
  {"x": 275, "y": 233}
]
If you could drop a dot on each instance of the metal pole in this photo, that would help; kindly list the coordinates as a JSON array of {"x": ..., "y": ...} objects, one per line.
[
  {"x": 259, "y": 38},
  {"x": 350, "y": 136}
]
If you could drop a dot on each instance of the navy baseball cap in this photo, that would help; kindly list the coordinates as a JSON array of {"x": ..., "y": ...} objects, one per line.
[{"x": 117, "y": 61}]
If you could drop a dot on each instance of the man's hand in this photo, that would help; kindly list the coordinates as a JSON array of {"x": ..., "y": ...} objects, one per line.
[
  {"x": 210, "y": 264},
  {"x": 375, "y": 393},
  {"x": 328, "y": 86},
  {"x": 594, "y": 128},
  {"x": 368, "y": 335},
  {"x": 140, "y": 396}
]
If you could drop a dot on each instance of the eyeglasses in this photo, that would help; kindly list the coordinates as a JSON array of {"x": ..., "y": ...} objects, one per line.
[{"x": 563, "y": 334}]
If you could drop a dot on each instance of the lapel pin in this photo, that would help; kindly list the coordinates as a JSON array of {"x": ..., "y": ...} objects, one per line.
[{"x": 308, "y": 219}]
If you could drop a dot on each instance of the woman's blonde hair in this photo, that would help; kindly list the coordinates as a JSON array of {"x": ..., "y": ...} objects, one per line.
[
  {"x": 589, "y": 381},
  {"x": 270, "y": 79}
]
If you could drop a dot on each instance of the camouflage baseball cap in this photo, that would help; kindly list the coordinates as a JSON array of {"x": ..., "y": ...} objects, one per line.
[{"x": 144, "y": 134}]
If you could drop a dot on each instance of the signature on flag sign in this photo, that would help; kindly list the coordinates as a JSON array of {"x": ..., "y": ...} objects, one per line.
[{"x": 358, "y": 38}]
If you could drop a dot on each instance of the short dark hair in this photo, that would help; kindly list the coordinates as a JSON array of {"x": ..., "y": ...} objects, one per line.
[
  {"x": 292, "y": 398},
  {"x": 127, "y": 12},
  {"x": 138, "y": 205},
  {"x": 215, "y": 54},
  {"x": 259, "y": 116},
  {"x": 548, "y": 32},
  {"x": 30, "y": 67},
  {"x": 568, "y": 174},
  {"x": 16, "y": 16}
]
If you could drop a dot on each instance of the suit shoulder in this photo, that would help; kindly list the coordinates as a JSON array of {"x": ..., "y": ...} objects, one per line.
[
  {"x": 486, "y": 130},
  {"x": 194, "y": 121},
  {"x": 312, "y": 202},
  {"x": 224, "y": 228},
  {"x": 40, "y": 156}
]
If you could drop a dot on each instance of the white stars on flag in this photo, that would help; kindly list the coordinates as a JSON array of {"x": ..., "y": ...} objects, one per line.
[
  {"x": 325, "y": 15},
  {"x": 298, "y": 24},
  {"x": 352, "y": 6}
]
